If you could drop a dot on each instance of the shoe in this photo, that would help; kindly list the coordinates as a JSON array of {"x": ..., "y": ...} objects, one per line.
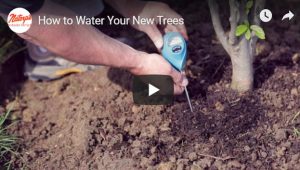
[{"x": 42, "y": 65}]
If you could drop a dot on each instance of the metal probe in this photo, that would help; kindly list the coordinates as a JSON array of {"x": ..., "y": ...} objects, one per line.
[
  {"x": 188, "y": 97},
  {"x": 175, "y": 52}
]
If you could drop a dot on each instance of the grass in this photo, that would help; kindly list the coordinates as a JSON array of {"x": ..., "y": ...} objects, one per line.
[
  {"x": 7, "y": 142},
  {"x": 296, "y": 131},
  {"x": 10, "y": 44}
]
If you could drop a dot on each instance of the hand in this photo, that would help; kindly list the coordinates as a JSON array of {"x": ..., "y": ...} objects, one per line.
[
  {"x": 156, "y": 64},
  {"x": 152, "y": 10}
]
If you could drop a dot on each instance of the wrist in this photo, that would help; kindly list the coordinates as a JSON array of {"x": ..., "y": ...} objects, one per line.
[{"x": 140, "y": 59}]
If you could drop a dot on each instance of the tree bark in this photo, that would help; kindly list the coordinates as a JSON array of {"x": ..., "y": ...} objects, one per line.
[
  {"x": 215, "y": 17},
  {"x": 242, "y": 67}
]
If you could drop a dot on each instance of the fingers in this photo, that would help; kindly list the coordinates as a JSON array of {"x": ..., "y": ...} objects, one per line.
[
  {"x": 177, "y": 28},
  {"x": 179, "y": 78},
  {"x": 178, "y": 89},
  {"x": 183, "y": 31},
  {"x": 155, "y": 35},
  {"x": 180, "y": 81}
]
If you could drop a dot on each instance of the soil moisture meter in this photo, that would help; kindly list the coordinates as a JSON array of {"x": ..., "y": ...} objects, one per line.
[{"x": 175, "y": 52}]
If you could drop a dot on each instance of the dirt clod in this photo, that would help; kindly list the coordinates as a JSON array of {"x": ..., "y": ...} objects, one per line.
[
  {"x": 247, "y": 148},
  {"x": 219, "y": 106},
  {"x": 204, "y": 163},
  {"x": 234, "y": 164},
  {"x": 294, "y": 92},
  {"x": 280, "y": 134},
  {"x": 165, "y": 166},
  {"x": 192, "y": 156}
]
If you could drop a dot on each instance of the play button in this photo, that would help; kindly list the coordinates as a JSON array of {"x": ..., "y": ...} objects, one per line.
[{"x": 152, "y": 90}]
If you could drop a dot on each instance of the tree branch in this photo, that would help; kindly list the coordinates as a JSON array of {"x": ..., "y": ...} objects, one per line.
[
  {"x": 234, "y": 12},
  {"x": 215, "y": 17},
  {"x": 242, "y": 11}
]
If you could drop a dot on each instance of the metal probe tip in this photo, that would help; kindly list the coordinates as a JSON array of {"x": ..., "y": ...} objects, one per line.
[{"x": 188, "y": 98}]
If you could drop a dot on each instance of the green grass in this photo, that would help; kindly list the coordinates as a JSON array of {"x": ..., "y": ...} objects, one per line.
[
  {"x": 296, "y": 131},
  {"x": 7, "y": 142}
]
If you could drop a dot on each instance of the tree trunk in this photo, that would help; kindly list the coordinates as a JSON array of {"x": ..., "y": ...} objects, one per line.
[{"x": 242, "y": 67}]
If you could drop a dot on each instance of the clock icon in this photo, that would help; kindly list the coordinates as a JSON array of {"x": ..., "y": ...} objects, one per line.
[{"x": 265, "y": 15}]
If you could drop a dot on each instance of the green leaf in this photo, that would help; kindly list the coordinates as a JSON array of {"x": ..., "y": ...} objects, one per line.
[
  {"x": 241, "y": 29},
  {"x": 249, "y": 4},
  {"x": 248, "y": 34},
  {"x": 259, "y": 32}
]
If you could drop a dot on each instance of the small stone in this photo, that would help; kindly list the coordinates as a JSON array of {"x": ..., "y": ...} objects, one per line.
[
  {"x": 121, "y": 121},
  {"x": 151, "y": 168},
  {"x": 196, "y": 167},
  {"x": 183, "y": 161},
  {"x": 165, "y": 127},
  {"x": 149, "y": 131},
  {"x": 135, "y": 109},
  {"x": 213, "y": 140},
  {"x": 172, "y": 159},
  {"x": 218, "y": 164},
  {"x": 145, "y": 162},
  {"x": 280, "y": 134},
  {"x": 263, "y": 154},
  {"x": 136, "y": 144},
  {"x": 247, "y": 148},
  {"x": 294, "y": 92},
  {"x": 234, "y": 164},
  {"x": 296, "y": 58},
  {"x": 280, "y": 152},
  {"x": 192, "y": 156},
  {"x": 153, "y": 150},
  {"x": 180, "y": 166},
  {"x": 205, "y": 162},
  {"x": 258, "y": 163},
  {"x": 219, "y": 107},
  {"x": 165, "y": 166},
  {"x": 253, "y": 157},
  {"x": 27, "y": 115},
  {"x": 135, "y": 152}
]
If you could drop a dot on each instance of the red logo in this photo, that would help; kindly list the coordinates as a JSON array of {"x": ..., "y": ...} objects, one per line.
[{"x": 18, "y": 18}]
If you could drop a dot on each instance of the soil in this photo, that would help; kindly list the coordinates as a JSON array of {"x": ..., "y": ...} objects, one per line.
[{"x": 89, "y": 120}]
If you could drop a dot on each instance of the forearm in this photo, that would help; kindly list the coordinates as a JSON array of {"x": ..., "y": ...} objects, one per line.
[
  {"x": 127, "y": 7},
  {"x": 82, "y": 44}
]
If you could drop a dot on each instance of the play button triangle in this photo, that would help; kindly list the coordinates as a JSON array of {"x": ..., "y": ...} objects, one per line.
[{"x": 152, "y": 90}]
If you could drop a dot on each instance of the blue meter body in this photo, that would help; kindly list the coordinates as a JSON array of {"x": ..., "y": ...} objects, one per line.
[{"x": 175, "y": 50}]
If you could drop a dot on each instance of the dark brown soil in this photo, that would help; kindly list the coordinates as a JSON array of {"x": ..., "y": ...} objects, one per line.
[{"x": 89, "y": 121}]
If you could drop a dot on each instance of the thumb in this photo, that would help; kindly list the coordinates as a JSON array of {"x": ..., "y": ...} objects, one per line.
[
  {"x": 155, "y": 35},
  {"x": 179, "y": 78}
]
